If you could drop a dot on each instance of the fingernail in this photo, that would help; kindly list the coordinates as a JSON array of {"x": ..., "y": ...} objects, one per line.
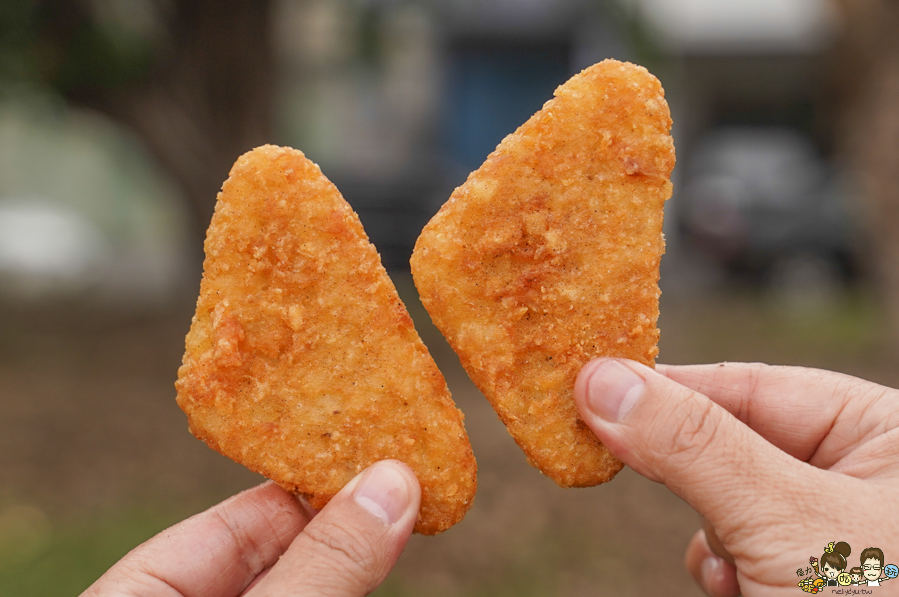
[
  {"x": 612, "y": 390},
  {"x": 709, "y": 569},
  {"x": 383, "y": 491}
]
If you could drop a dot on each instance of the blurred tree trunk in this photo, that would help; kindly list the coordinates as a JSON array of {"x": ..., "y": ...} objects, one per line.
[
  {"x": 868, "y": 132},
  {"x": 203, "y": 96}
]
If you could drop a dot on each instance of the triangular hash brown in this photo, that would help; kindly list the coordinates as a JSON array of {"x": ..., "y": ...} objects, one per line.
[
  {"x": 548, "y": 256},
  {"x": 302, "y": 362}
]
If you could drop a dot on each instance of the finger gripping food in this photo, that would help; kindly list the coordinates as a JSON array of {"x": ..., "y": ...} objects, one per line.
[
  {"x": 548, "y": 256},
  {"x": 301, "y": 362}
]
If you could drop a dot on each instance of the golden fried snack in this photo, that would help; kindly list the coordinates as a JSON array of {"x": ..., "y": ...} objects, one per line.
[
  {"x": 548, "y": 256},
  {"x": 302, "y": 363}
]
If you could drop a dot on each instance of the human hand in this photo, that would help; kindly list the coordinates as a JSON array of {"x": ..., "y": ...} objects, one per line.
[
  {"x": 779, "y": 461},
  {"x": 263, "y": 542}
]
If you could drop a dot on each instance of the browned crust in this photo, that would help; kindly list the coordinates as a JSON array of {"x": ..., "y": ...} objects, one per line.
[
  {"x": 548, "y": 256},
  {"x": 302, "y": 363}
]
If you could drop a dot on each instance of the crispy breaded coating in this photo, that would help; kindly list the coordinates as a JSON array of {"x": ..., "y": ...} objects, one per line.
[
  {"x": 302, "y": 362},
  {"x": 548, "y": 256}
]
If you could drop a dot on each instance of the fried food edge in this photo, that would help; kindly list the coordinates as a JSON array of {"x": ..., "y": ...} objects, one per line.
[
  {"x": 301, "y": 362},
  {"x": 548, "y": 256}
]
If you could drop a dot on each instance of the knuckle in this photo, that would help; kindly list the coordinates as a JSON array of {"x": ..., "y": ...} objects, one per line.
[
  {"x": 248, "y": 551},
  {"x": 692, "y": 434},
  {"x": 345, "y": 547},
  {"x": 754, "y": 380}
]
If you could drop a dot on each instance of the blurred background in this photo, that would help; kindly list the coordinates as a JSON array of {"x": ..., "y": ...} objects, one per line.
[{"x": 120, "y": 120}]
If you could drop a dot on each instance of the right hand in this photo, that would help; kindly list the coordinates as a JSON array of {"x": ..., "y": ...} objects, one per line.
[{"x": 780, "y": 461}]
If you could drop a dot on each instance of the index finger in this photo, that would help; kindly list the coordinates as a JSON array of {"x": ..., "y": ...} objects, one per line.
[
  {"x": 814, "y": 415},
  {"x": 218, "y": 552}
]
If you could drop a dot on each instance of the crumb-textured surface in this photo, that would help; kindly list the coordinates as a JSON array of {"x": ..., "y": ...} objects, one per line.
[
  {"x": 302, "y": 363},
  {"x": 548, "y": 256}
]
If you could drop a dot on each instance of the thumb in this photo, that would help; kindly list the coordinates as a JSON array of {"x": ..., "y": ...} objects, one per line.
[
  {"x": 674, "y": 435},
  {"x": 352, "y": 544}
]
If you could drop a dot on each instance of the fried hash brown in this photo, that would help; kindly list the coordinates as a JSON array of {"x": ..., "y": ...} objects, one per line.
[
  {"x": 548, "y": 256},
  {"x": 301, "y": 362}
]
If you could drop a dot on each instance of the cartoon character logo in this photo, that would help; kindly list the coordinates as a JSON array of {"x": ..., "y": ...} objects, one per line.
[
  {"x": 873, "y": 568},
  {"x": 833, "y": 562},
  {"x": 830, "y": 571}
]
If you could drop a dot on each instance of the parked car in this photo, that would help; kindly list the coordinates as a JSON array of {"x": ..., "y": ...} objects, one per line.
[{"x": 762, "y": 201}]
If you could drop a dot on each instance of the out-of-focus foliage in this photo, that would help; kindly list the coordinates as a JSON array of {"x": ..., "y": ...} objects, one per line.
[
  {"x": 62, "y": 45},
  {"x": 191, "y": 78}
]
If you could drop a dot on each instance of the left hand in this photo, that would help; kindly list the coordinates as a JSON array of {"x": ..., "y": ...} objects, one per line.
[{"x": 263, "y": 542}]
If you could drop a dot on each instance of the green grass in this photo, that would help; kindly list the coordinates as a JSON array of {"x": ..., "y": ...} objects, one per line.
[
  {"x": 39, "y": 559},
  {"x": 750, "y": 327}
]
